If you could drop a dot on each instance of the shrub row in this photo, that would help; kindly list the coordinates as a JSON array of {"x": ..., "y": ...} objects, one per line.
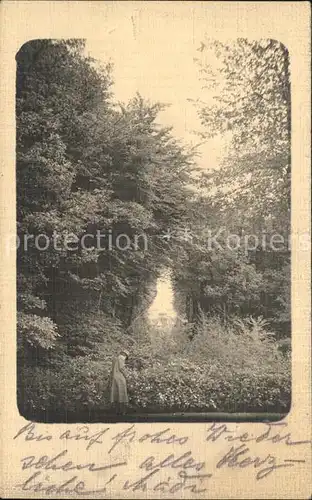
[{"x": 181, "y": 386}]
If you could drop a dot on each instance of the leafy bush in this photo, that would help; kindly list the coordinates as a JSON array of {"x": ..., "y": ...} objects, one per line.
[
  {"x": 238, "y": 370},
  {"x": 36, "y": 331},
  {"x": 195, "y": 389},
  {"x": 75, "y": 385}
]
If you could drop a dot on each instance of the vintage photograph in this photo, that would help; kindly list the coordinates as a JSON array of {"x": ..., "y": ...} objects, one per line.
[{"x": 153, "y": 229}]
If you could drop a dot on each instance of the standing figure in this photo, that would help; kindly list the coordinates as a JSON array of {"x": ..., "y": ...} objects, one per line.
[{"x": 118, "y": 383}]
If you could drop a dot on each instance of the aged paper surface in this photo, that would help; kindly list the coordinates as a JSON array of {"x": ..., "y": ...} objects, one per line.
[{"x": 114, "y": 460}]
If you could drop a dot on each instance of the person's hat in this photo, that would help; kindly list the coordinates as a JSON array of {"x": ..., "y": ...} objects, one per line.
[{"x": 124, "y": 351}]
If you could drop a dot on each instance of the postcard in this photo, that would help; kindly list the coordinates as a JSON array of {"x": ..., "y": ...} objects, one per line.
[{"x": 155, "y": 250}]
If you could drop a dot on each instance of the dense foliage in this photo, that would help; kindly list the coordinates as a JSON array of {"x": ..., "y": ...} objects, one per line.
[
  {"x": 247, "y": 200},
  {"x": 222, "y": 370},
  {"x": 85, "y": 166}
]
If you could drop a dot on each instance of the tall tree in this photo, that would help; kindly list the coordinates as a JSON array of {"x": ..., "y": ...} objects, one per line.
[
  {"x": 86, "y": 165},
  {"x": 245, "y": 100},
  {"x": 250, "y": 82}
]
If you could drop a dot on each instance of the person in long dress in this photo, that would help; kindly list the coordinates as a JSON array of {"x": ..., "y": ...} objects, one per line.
[{"x": 118, "y": 383}]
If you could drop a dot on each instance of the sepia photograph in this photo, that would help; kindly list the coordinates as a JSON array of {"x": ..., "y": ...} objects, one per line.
[{"x": 153, "y": 243}]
